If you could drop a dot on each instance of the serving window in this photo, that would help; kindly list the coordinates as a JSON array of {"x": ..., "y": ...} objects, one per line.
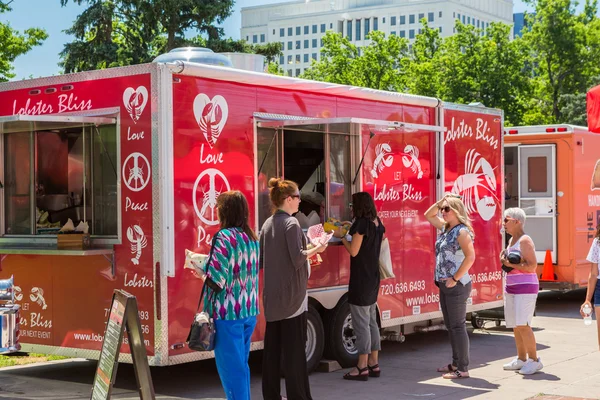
[
  {"x": 320, "y": 157},
  {"x": 56, "y": 169}
]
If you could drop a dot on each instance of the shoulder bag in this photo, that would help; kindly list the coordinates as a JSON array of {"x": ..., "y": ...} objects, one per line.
[{"x": 202, "y": 331}]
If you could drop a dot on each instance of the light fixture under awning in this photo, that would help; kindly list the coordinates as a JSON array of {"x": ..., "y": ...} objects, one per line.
[
  {"x": 31, "y": 123},
  {"x": 339, "y": 125}
]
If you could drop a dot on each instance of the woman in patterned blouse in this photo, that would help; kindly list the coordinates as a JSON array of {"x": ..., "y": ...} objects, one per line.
[
  {"x": 454, "y": 256},
  {"x": 233, "y": 266}
]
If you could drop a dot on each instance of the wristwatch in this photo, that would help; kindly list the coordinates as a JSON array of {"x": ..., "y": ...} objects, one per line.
[{"x": 454, "y": 279}]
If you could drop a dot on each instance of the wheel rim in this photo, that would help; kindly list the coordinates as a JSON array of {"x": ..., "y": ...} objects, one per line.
[
  {"x": 311, "y": 340},
  {"x": 348, "y": 336}
]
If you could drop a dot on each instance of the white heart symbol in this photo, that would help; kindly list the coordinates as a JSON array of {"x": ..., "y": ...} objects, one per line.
[
  {"x": 211, "y": 116},
  {"x": 135, "y": 101}
]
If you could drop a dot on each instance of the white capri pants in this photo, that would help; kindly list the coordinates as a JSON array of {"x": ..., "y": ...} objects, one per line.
[{"x": 519, "y": 309}]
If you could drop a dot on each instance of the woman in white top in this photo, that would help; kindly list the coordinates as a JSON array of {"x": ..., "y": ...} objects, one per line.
[{"x": 593, "y": 288}]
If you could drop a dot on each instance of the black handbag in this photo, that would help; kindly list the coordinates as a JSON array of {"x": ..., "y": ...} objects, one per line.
[{"x": 202, "y": 331}]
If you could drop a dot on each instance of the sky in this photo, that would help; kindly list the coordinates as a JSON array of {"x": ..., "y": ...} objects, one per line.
[{"x": 49, "y": 15}]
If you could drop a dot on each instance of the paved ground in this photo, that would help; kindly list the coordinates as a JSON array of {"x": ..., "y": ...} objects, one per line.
[{"x": 568, "y": 349}]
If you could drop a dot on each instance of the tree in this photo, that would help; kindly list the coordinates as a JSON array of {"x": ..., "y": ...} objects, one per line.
[
  {"x": 424, "y": 72},
  {"x": 487, "y": 68},
  {"x": 14, "y": 44},
  {"x": 564, "y": 50},
  {"x": 175, "y": 17},
  {"x": 108, "y": 34},
  {"x": 379, "y": 65},
  {"x": 113, "y": 33}
]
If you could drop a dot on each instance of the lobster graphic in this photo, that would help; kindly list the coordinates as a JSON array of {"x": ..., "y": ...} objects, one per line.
[
  {"x": 382, "y": 159},
  {"x": 18, "y": 293},
  {"x": 37, "y": 296},
  {"x": 478, "y": 174},
  {"x": 135, "y": 101},
  {"x": 411, "y": 160},
  {"x": 211, "y": 115},
  {"x": 138, "y": 242},
  {"x": 136, "y": 173},
  {"x": 209, "y": 196}
]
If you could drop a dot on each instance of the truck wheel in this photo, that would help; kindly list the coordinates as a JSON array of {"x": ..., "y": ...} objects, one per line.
[
  {"x": 340, "y": 336},
  {"x": 315, "y": 338},
  {"x": 477, "y": 322}
]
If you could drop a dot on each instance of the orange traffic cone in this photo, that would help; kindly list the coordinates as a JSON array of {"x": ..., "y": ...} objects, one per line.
[{"x": 548, "y": 271}]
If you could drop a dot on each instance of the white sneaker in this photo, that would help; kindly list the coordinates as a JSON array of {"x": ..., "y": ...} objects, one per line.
[
  {"x": 531, "y": 367},
  {"x": 514, "y": 365}
]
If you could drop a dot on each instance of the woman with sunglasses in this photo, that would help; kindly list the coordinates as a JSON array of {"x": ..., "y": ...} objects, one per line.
[
  {"x": 454, "y": 256},
  {"x": 284, "y": 257},
  {"x": 593, "y": 288},
  {"x": 520, "y": 293}
]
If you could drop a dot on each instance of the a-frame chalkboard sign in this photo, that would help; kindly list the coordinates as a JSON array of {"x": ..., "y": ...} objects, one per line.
[{"x": 123, "y": 314}]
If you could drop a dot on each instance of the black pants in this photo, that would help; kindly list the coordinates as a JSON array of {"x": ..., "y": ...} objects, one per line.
[
  {"x": 285, "y": 347},
  {"x": 454, "y": 309}
]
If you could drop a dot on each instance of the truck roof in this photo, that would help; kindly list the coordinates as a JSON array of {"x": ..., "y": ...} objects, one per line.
[
  {"x": 249, "y": 78},
  {"x": 544, "y": 129}
]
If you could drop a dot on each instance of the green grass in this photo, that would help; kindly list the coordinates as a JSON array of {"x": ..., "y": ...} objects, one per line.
[{"x": 26, "y": 358}]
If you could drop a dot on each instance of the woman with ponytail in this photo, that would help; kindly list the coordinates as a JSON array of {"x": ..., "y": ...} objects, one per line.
[{"x": 284, "y": 258}]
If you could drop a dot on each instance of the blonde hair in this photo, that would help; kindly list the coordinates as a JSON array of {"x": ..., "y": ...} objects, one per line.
[{"x": 458, "y": 207}]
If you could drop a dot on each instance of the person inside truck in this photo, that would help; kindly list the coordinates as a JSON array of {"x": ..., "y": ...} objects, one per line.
[
  {"x": 454, "y": 256},
  {"x": 235, "y": 306},
  {"x": 367, "y": 233},
  {"x": 520, "y": 292},
  {"x": 593, "y": 288},
  {"x": 284, "y": 257}
]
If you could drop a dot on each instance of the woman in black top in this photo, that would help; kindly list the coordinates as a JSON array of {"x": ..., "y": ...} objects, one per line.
[{"x": 367, "y": 233}]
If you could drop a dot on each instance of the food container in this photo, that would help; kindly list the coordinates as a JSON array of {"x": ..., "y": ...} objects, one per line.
[{"x": 73, "y": 241}]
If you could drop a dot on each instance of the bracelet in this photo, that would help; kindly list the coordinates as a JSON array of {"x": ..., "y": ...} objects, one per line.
[{"x": 454, "y": 279}]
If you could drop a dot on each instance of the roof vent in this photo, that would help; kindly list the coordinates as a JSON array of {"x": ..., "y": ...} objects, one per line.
[{"x": 199, "y": 55}]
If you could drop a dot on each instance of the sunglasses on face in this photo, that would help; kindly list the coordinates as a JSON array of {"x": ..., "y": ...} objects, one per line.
[
  {"x": 445, "y": 209},
  {"x": 507, "y": 220},
  {"x": 295, "y": 196}
]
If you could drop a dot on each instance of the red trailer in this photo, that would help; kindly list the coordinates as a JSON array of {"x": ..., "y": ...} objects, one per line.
[{"x": 141, "y": 153}]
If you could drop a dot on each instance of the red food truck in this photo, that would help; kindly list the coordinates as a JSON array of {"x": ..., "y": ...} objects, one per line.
[{"x": 141, "y": 153}]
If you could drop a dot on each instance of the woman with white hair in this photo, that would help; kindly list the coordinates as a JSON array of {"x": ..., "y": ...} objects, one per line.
[{"x": 521, "y": 292}]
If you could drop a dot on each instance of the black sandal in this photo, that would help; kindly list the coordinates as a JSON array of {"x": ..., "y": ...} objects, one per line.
[
  {"x": 372, "y": 372},
  {"x": 360, "y": 377}
]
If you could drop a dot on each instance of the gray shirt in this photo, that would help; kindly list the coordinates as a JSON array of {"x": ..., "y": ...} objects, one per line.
[{"x": 283, "y": 258}]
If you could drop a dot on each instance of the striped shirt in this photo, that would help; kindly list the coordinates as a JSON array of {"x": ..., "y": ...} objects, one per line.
[{"x": 519, "y": 282}]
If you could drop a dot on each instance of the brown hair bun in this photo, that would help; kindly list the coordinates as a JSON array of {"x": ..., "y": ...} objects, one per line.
[{"x": 274, "y": 182}]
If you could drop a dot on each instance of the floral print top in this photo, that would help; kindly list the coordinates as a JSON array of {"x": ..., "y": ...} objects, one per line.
[
  {"x": 448, "y": 254},
  {"x": 233, "y": 266}
]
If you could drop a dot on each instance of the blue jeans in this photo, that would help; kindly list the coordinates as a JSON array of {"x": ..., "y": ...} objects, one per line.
[{"x": 232, "y": 348}]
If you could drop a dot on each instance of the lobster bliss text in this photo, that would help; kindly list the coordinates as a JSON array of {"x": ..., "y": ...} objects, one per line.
[
  {"x": 65, "y": 103},
  {"x": 463, "y": 130},
  {"x": 391, "y": 194}
]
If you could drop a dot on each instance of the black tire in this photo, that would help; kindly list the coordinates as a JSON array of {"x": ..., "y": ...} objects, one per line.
[
  {"x": 315, "y": 338},
  {"x": 340, "y": 336},
  {"x": 477, "y": 322}
]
